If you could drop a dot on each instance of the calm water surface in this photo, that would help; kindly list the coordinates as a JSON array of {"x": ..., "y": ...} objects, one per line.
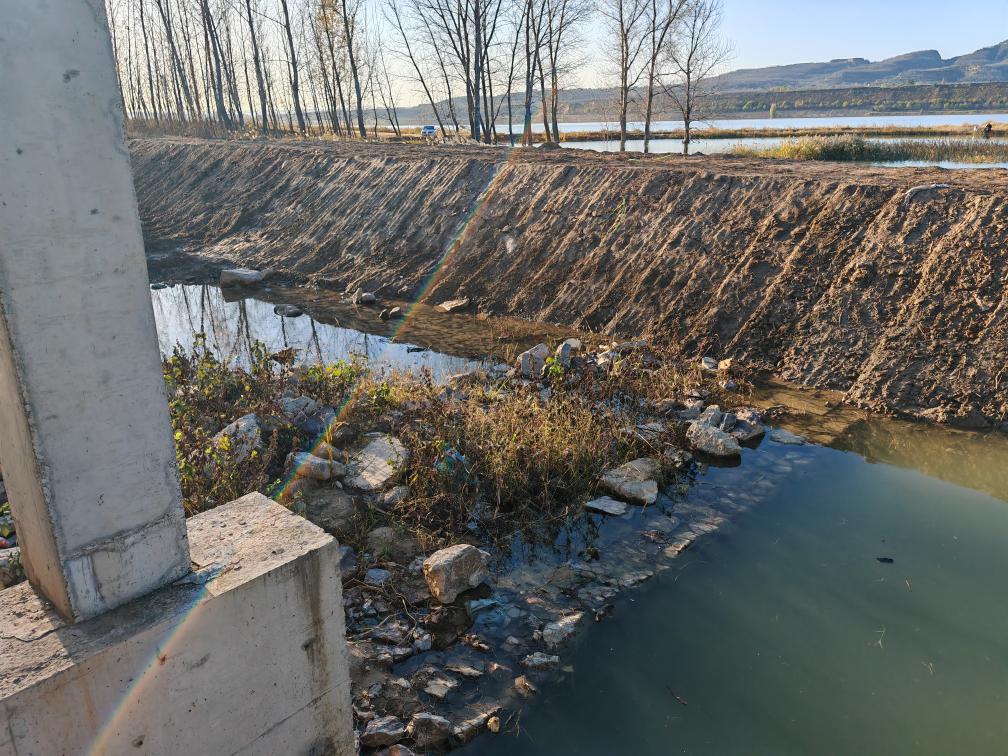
[{"x": 784, "y": 634}]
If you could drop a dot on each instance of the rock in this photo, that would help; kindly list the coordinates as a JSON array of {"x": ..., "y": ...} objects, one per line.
[
  {"x": 567, "y": 350},
  {"x": 428, "y": 729},
  {"x": 692, "y": 411},
  {"x": 394, "y": 496},
  {"x": 305, "y": 465},
  {"x": 782, "y": 436},
  {"x": 347, "y": 560},
  {"x": 395, "y": 313},
  {"x": 243, "y": 436},
  {"x": 372, "y": 468},
  {"x": 424, "y": 642},
  {"x": 539, "y": 661},
  {"x": 729, "y": 385},
  {"x": 364, "y": 297},
  {"x": 525, "y": 687},
  {"x": 468, "y": 729},
  {"x": 307, "y": 415},
  {"x": 288, "y": 311},
  {"x": 454, "y": 305},
  {"x": 728, "y": 421},
  {"x": 453, "y": 570},
  {"x": 439, "y": 687},
  {"x": 635, "y": 481},
  {"x": 531, "y": 362},
  {"x": 725, "y": 364},
  {"x": 711, "y": 416},
  {"x": 711, "y": 441},
  {"x": 156, "y": 286},
  {"x": 396, "y": 750},
  {"x": 607, "y": 505},
  {"x": 241, "y": 277},
  {"x": 382, "y": 731},
  {"x": 709, "y": 363},
  {"x": 330, "y": 509},
  {"x": 494, "y": 724},
  {"x": 385, "y": 542},
  {"x": 556, "y": 633},
  {"x": 748, "y": 425},
  {"x": 377, "y": 576}
]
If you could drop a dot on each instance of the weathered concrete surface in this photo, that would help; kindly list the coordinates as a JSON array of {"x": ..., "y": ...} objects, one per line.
[
  {"x": 86, "y": 447},
  {"x": 247, "y": 656}
]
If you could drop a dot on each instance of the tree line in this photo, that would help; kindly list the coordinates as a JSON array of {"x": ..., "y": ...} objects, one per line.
[{"x": 345, "y": 66}]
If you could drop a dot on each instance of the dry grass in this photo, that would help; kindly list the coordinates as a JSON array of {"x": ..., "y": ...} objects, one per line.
[{"x": 851, "y": 148}]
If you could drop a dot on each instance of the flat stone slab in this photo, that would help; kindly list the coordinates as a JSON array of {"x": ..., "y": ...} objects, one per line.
[
  {"x": 635, "y": 481},
  {"x": 374, "y": 466},
  {"x": 606, "y": 505}
]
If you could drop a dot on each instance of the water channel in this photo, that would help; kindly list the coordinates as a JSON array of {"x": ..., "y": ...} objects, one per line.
[{"x": 854, "y": 602}]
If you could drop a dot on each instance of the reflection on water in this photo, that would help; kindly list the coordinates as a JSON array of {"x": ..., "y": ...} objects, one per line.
[
  {"x": 786, "y": 635},
  {"x": 966, "y": 458},
  {"x": 331, "y": 329}
]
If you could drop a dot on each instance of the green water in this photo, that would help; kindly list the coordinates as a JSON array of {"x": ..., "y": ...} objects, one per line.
[{"x": 784, "y": 634}]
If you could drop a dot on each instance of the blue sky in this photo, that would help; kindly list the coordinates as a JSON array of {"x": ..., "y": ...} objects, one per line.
[{"x": 772, "y": 32}]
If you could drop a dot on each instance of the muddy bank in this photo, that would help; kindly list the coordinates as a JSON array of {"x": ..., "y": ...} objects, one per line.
[{"x": 821, "y": 274}]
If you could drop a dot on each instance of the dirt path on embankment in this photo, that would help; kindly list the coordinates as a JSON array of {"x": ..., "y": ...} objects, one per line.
[{"x": 823, "y": 274}]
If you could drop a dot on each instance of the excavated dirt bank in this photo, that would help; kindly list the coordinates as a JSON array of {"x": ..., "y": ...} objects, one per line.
[{"x": 823, "y": 274}]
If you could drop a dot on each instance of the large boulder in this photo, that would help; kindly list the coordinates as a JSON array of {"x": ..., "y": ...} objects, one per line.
[
  {"x": 454, "y": 570},
  {"x": 711, "y": 441},
  {"x": 635, "y": 481},
  {"x": 428, "y": 729},
  {"x": 373, "y": 467}
]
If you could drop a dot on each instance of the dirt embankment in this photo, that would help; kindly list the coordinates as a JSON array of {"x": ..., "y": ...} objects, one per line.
[{"x": 822, "y": 274}]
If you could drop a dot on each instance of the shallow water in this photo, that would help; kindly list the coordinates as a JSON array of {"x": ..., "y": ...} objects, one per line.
[{"x": 783, "y": 633}]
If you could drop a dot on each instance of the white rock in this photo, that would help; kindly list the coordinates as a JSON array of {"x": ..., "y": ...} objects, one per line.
[
  {"x": 557, "y": 633},
  {"x": 709, "y": 363},
  {"x": 607, "y": 505},
  {"x": 454, "y": 305},
  {"x": 376, "y": 464},
  {"x": 453, "y": 570},
  {"x": 716, "y": 443},
  {"x": 782, "y": 436},
  {"x": 244, "y": 436},
  {"x": 635, "y": 481},
  {"x": 241, "y": 277},
  {"x": 531, "y": 362},
  {"x": 711, "y": 416}
]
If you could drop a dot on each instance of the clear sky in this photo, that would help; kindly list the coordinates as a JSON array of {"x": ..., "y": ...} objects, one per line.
[{"x": 772, "y": 32}]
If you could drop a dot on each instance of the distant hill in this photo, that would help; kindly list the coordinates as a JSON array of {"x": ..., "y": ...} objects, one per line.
[{"x": 989, "y": 64}]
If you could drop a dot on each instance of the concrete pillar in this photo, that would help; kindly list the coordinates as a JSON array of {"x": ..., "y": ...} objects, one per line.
[{"x": 85, "y": 440}]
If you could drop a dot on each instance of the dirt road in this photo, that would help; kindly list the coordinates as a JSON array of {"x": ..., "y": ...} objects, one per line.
[{"x": 823, "y": 274}]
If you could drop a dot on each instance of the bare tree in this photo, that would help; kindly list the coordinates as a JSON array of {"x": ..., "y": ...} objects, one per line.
[
  {"x": 662, "y": 18},
  {"x": 350, "y": 13},
  {"x": 626, "y": 20},
  {"x": 697, "y": 51}
]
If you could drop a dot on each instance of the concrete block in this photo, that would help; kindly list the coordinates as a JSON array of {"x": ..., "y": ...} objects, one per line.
[
  {"x": 86, "y": 447},
  {"x": 245, "y": 656}
]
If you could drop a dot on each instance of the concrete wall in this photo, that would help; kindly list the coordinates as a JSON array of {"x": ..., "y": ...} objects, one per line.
[
  {"x": 85, "y": 439},
  {"x": 251, "y": 661}
]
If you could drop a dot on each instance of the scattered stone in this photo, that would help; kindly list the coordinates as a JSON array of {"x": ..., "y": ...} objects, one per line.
[
  {"x": 306, "y": 465},
  {"x": 692, "y": 411},
  {"x": 729, "y": 385},
  {"x": 243, "y": 436},
  {"x": 453, "y": 570},
  {"x": 728, "y": 421},
  {"x": 465, "y": 670},
  {"x": 330, "y": 509},
  {"x": 711, "y": 416},
  {"x": 396, "y": 750},
  {"x": 725, "y": 364},
  {"x": 525, "y": 687},
  {"x": 377, "y": 576},
  {"x": 782, "y": 436},
  {"x": 567, "y": 350},
  {"x": 635, "y": 481},
  {"x": 385, "y": 542},
  {"x": 454, "y": 305},
  {"x": 607, "y": 505},
  {"x": 423, "y": 642},
  {"x": 439, "y": 687},
  {"x": 531, "y": 362},
  {"x": 347, "y": 560},
  {"x": 557, "y": 633},
  {"x": 539, "y": 661},
  {"x": 288, "y": 311},
  {"x": 361, "y": 297},
  {"x": 241, "y": 277},
  {"x": 468, "y": 729},
  {"x": 382, "y": 731},
  {"x": 372, "y": 468},
  {"x": 494, "y": 724},
  {"x": 394, "y": 496},
  {"x": 711, "y": 441},
  {"x": 709, "y": 363},
  {"x": 428, "y": 729},
  {"x": 11, "y": 567},
  {"x": 748, "y": 425}
]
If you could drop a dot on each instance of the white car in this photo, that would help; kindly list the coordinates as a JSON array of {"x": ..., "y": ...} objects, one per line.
[{"x": 428, "y": 132}]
